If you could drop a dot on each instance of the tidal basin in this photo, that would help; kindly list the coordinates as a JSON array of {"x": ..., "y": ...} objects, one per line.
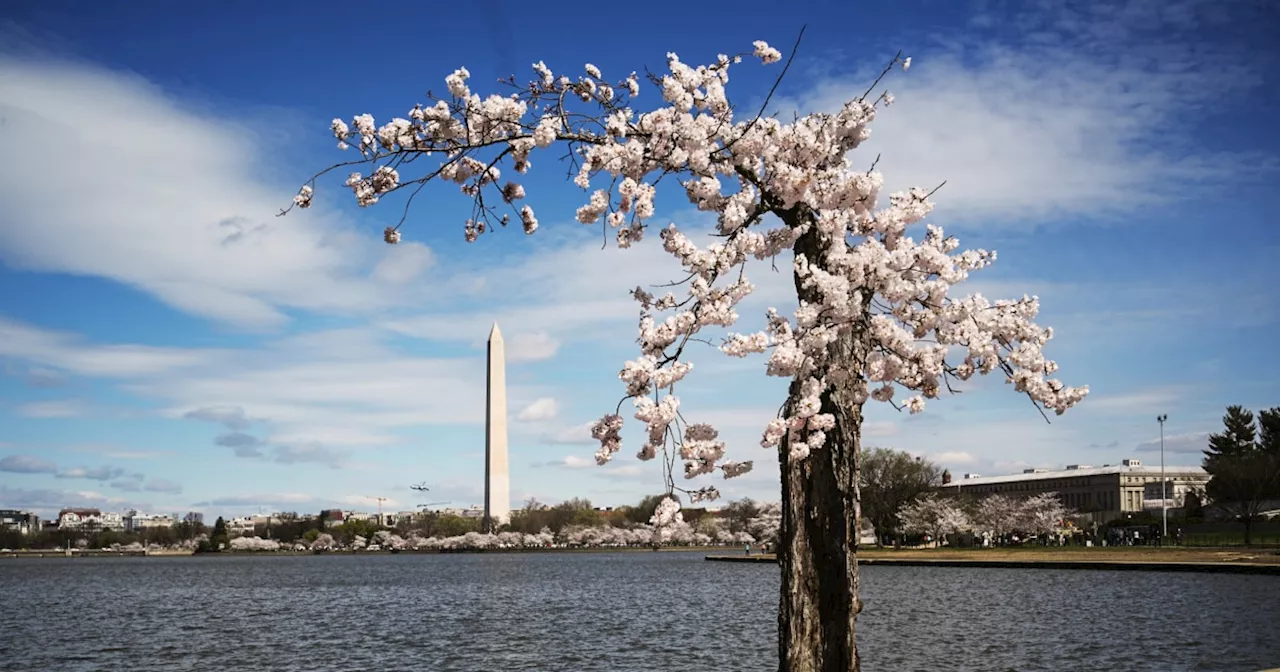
[{"x": 624, "y": 612}]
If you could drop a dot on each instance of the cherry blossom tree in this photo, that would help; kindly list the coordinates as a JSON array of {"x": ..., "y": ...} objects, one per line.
[
  {"x": 875, "y": 320},
  {"x": 253, "y": 544},
  {"x": 1002, "y": 516},
  {"x": 998, "y": 515},
  {"x": 934, "y": 516},
  {"x": 1042, "y": 514}
]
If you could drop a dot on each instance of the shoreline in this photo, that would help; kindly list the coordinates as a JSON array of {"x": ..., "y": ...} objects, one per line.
[
  {"x": 54, "y": 554},
  {"x": 1265, "y": 562}
]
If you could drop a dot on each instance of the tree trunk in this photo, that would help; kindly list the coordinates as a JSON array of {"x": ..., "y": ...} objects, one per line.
[{"x": 818, "y": 540}]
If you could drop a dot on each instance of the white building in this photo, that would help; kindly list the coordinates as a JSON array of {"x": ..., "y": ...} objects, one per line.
[
  {"x": 159, "y": 520},
  {"x": 241, "y": 526},
  {"x": 111, "y": 520},
  {"x": 1106, "y": 493},
  {"x": 75, "y": 519}
]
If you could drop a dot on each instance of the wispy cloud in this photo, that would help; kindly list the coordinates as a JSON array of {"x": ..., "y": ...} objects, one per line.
[
  {"x": 1192, "y": 443},
  {"x": 232, "y": 417},
  {"x": 540, "y": 410},
  {"x": 103, "y": 473},
  {"x": 576, "y": 434},
  {"x": 26, "y": 464},
  {"x": 206, "y": 243},
  {"x": 1150, "y": 400},
  {"x": 48, "y": 501},
  {"x": 44, "y": 378},
  {"x": 162, "y": 485},
  {"x": 1043, "y": 111},
  {"x": 244, "y": 445},
  {"x": 310, "y": 452},
  {"x": 612, "y": 470}
]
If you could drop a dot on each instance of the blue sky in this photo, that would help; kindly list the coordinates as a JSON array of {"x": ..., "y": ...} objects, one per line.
[{"x": 167, "y": 343}]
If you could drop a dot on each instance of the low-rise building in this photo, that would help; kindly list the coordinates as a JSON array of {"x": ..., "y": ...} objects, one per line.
[
  {"x": 242, "y": 526},
  {"x": 22, "y": 522},
  {"x": 137, "y": 522},
  {"x": 1104, "y": 493},
  {"x": 470, "y": 512},
  {"x": 111, "y": 520},
  {"x": 78, "y": 519}
]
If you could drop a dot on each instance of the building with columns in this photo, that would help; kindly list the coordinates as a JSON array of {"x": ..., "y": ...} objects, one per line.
[{"x": 1104, "y": 493}]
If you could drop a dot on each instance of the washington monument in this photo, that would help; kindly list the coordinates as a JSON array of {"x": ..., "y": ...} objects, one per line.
[{"x": 497, "y": 480}]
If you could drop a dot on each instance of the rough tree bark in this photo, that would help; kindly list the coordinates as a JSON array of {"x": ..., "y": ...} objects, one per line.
[{"x": 818, "y": 542}]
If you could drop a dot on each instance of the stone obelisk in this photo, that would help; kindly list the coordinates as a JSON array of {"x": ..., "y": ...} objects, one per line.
[{"x": 497, "y": 480}]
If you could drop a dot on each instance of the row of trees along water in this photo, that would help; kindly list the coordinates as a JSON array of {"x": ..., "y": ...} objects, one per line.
[
  {"x": 573, "y": 522},
  {"x": 903, "y": 498}
]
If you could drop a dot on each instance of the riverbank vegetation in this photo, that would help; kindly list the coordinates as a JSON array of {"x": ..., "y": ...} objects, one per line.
[{"x": 573, "y": 523}]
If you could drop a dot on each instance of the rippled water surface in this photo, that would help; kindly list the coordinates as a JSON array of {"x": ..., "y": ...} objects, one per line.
[{"x": 605, "y": 611}]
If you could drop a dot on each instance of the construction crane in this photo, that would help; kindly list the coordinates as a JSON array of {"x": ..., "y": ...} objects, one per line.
[
  {"x": 432, "y": 504},
  {"x": 380, "y": 501}
]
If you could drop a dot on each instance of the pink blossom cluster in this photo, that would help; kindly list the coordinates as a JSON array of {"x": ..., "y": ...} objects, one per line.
[
  {"x": 862, "y": 273},
  {"x": 1000, "y": 515},
  {"x": 253, "y": 544},
  {"x": 934, "y": 516}
]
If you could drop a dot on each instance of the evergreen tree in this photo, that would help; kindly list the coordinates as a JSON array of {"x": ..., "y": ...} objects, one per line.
[
  {"x": 219, "y": 536},
  {"x": 1243, "y": 463},
  {"x": 1269, "y": 431},
  {"x": 1238, "y": 439}
]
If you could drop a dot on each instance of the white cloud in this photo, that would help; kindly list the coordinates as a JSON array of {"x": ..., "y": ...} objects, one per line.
[
  {"x": 26, "y": 464},
  {"x": 172, "y": 201},
  {"x": 531, "y": 347},
  {"x": 1071, "y": 115},
  {"x": 539, "y": 410},
  {"x": 47, "y": 502},
  {"x": 613, "y": 469},
  {"x": 103, "y": 473},
  {"x": 364, "y": 502},
  {"x": 953, "y": 457},
  {"x": 68, "y": 351},
  {"x": 1018, "y": 139},
  {"x": 1149, "y": 401},
  {"x": 321, "y": 393},
  {"x": 577, "y": 434},
  {"x": 578, "y": 462},
  {"x": 257, "y": 500},
  {"x": 403, "y": 263},
  {"x": 1190, "y": 443}
]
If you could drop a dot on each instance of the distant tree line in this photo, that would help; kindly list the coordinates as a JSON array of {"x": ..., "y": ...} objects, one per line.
[{"x": 294, "y": 528}]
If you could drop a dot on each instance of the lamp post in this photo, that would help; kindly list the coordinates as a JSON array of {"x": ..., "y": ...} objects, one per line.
[{"x": 1164, "y": 502}]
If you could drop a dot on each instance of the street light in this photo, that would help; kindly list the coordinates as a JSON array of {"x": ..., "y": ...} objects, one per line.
[{"x": 1164, "y": 502}]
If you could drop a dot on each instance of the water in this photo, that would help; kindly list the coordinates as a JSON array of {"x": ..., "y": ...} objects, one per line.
[{"x": 619, "y": 612}]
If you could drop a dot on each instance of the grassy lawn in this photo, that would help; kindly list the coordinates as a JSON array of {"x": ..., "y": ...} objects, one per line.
[{"x": 1080, "y": 553}]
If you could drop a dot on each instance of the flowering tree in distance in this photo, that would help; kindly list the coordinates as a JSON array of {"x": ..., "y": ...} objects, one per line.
[
  {"x": 935, "y": 516},
  {"x": 874, "y": 316}
]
